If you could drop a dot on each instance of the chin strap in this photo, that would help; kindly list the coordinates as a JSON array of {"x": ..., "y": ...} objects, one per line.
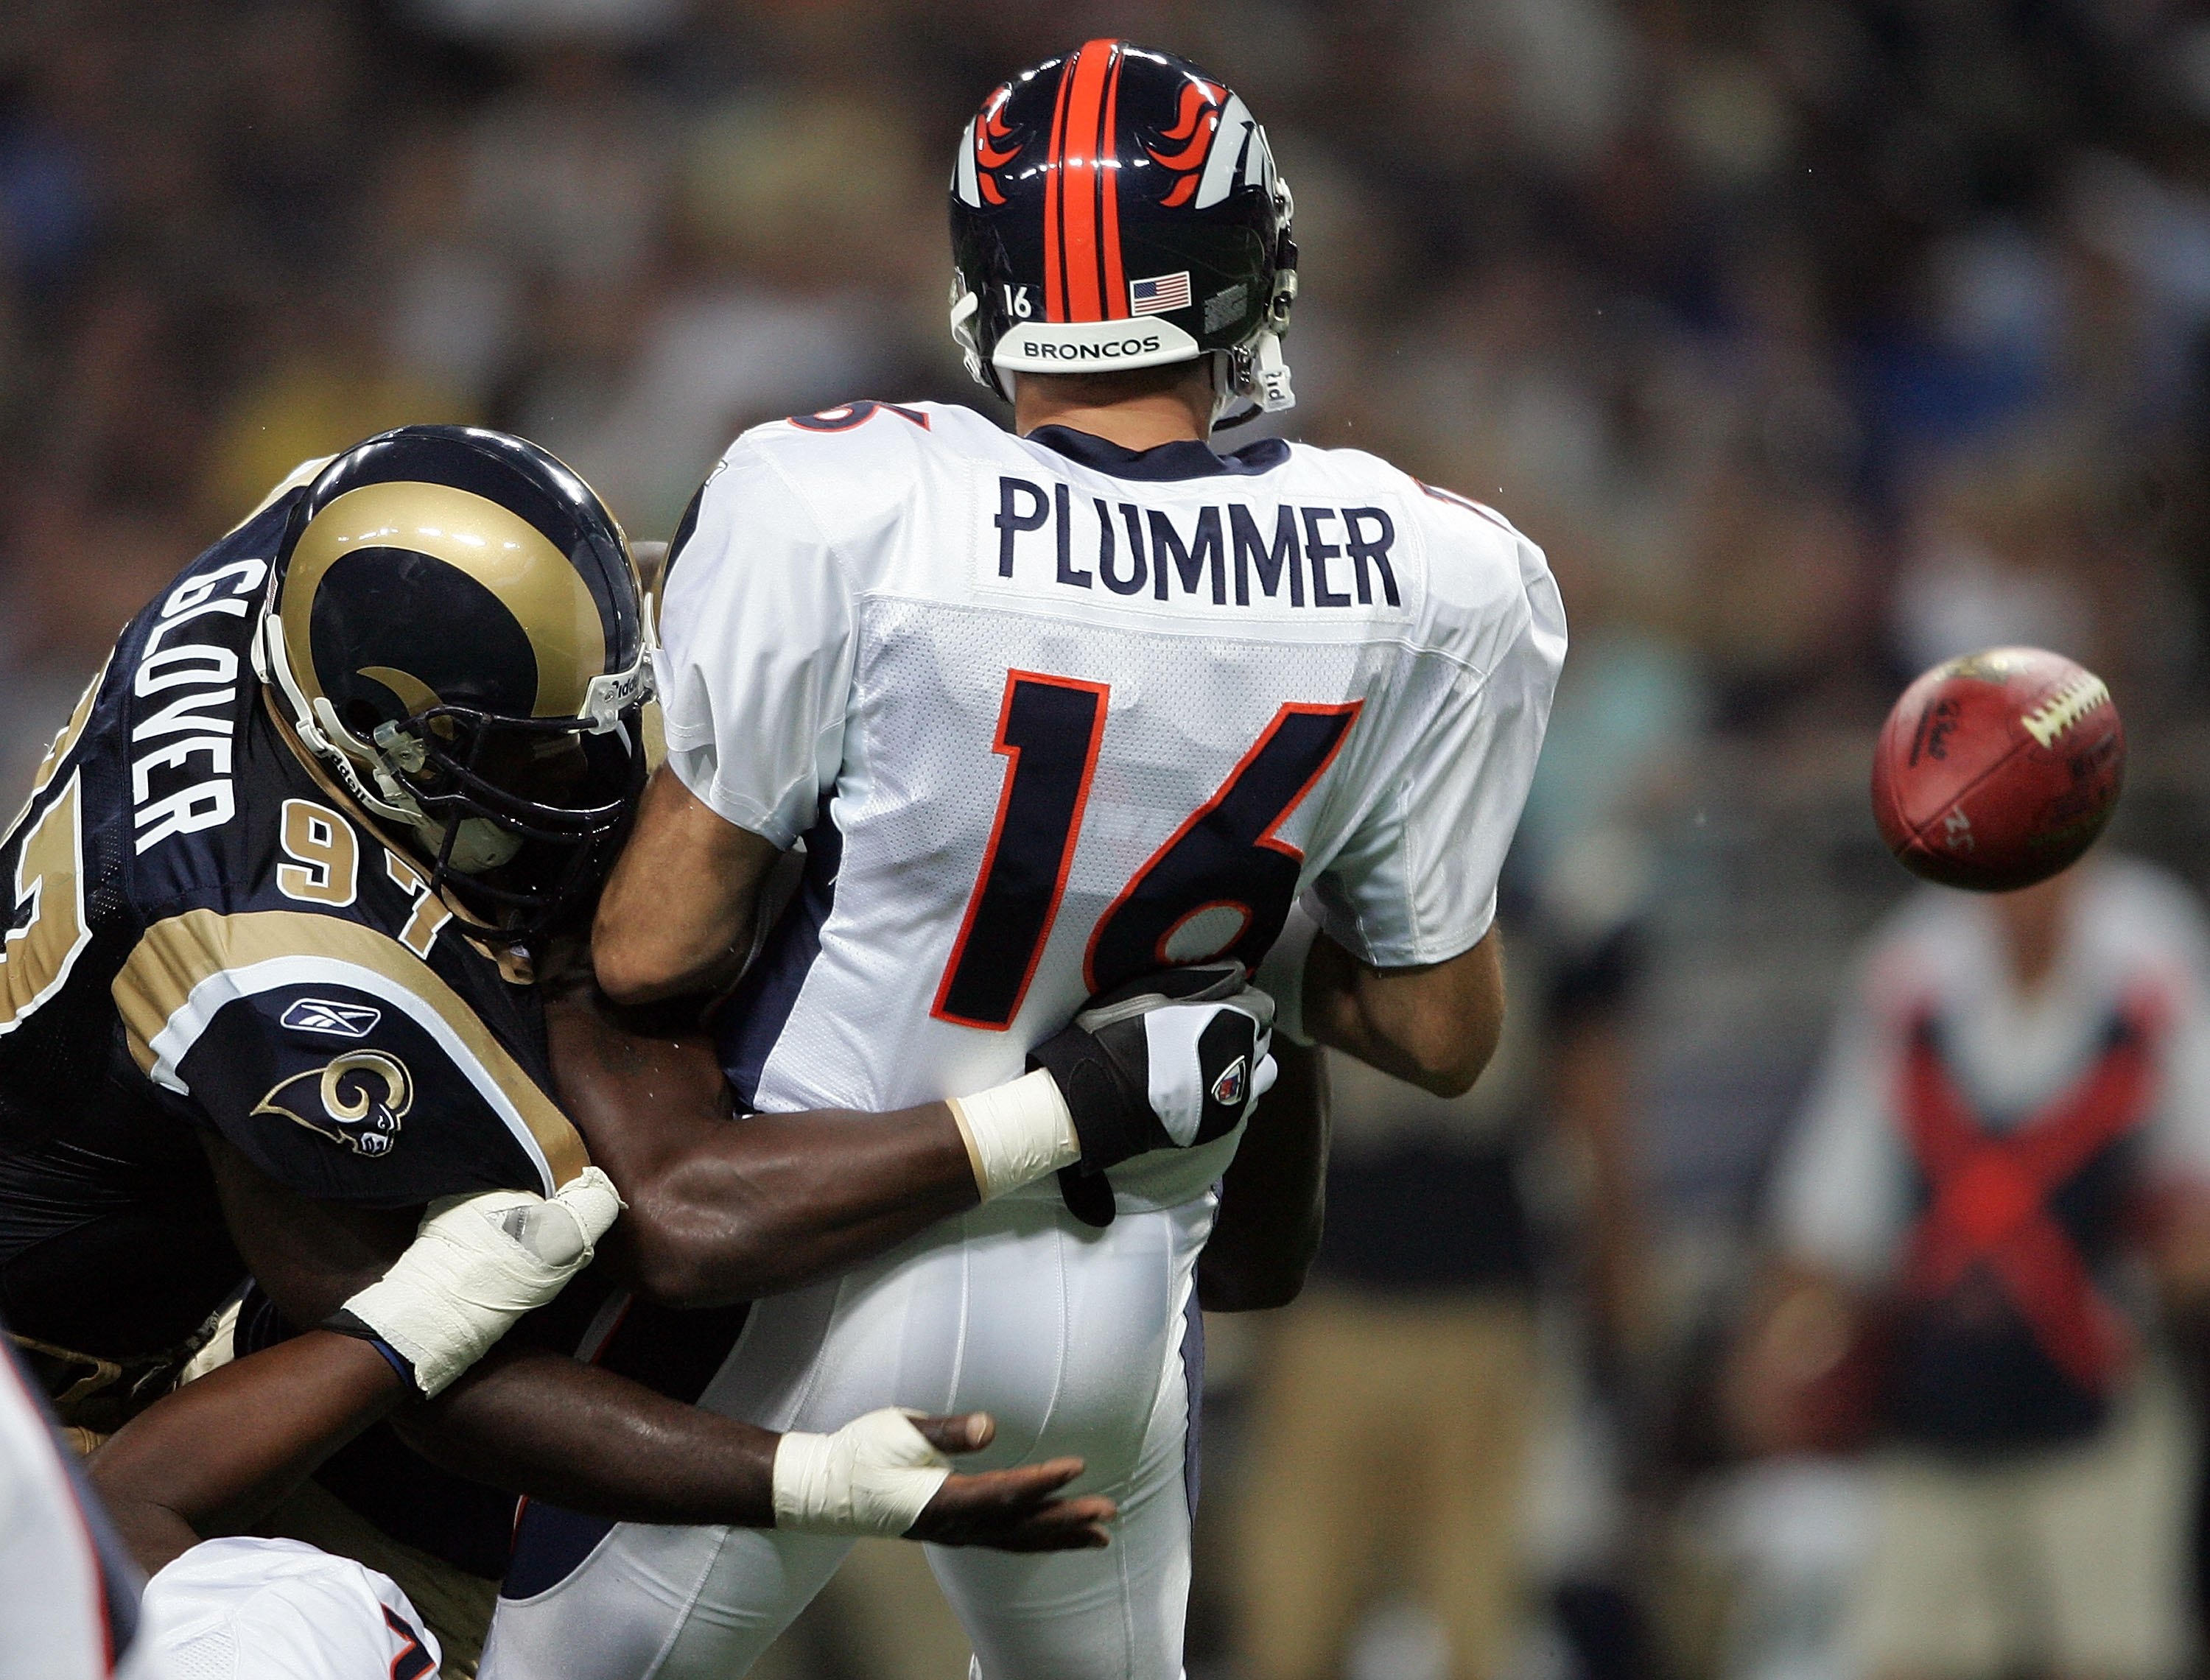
[
  {"x": 1269, "y": 376},
  {"x": 1264, "y": 381},
  {"x": 965, "y": 306}
]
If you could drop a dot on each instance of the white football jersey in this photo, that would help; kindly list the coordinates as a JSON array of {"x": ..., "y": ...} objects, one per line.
[{"x": 1050, "y": 713}]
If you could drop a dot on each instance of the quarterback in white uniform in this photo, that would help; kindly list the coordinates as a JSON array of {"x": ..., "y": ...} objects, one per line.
[{"x": 1047, "y": 710}]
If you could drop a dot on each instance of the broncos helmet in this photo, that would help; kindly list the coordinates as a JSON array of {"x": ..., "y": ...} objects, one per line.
[
  {"x": 1119, "y": 209},
  {"x": 455, "y": 629}
]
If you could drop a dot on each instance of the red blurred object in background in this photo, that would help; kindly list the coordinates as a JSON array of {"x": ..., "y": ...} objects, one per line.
[
  {"x": 1998, "y": 769},
  {"x": 1811, "y": 1376}
]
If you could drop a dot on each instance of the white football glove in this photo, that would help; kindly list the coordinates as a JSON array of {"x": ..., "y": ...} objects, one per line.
[
  {"x": 477, "y": 1264},
  {"x": 874, "y": 1476}
]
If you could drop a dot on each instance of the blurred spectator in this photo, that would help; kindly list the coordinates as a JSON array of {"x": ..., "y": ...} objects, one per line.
[
  {"x": 328, "y": 383},
  {"x": 568, "y": 171},
  {"x": 1397, "y": 1400},
  {"x": 2008, "y": 1143}
]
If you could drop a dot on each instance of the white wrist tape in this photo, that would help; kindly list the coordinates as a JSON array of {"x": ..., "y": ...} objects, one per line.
[
  {"x": 1017, "y": 1132},
  {"x": 478, "y": 1263},
  {"x": 874, "y": 1476},
  {"x": 1281, "y": 974}
]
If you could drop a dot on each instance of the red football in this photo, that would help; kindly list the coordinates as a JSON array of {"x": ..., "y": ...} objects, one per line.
[{"x": 1997, "y": 770}]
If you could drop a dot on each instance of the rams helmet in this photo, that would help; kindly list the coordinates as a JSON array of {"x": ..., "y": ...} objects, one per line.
[
  {"x": 455, "y": 629},
  {"x": 1118, "y": 208}
]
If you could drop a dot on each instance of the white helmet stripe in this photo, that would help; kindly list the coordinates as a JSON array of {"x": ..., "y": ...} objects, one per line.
[
  {"x": 963, "y": 169},
  {"x": 1236, "y": 126}
]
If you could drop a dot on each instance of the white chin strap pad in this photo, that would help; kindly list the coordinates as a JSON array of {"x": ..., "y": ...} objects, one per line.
[{"x": 873, "y": 1476}]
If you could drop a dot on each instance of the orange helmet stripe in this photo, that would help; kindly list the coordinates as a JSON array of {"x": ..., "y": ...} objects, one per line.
[
  {"x": 1087, "y": 73},
  {"x": 1054, "y": 273},
  {"x": 1116, "y": 278}
]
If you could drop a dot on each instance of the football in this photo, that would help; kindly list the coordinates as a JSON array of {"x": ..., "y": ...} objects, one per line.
[{"x": 1998, "y": 769}]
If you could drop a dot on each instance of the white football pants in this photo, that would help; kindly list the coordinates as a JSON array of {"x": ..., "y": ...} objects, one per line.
[{"x": 1072, "y": 1338}]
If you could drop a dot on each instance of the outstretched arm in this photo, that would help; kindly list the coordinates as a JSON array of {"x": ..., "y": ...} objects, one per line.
[
  {"x": 538, "y": 1423},
  {"x": 724, "y": 1209}
]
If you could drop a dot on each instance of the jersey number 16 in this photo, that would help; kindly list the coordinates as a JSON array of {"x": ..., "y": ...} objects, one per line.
[{"x": 1221, "y": 886}]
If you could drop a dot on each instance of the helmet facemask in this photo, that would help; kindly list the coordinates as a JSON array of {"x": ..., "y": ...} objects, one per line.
[
  {"x": 520, "y": 814},
  {"x": 518, "y": 817}
]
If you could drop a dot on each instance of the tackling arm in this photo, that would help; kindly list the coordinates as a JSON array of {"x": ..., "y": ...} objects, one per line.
[
  {"x": 221, "y": 1450},
  {"x": 725, "y": 1210},
  {"x": 538, "y": 1423}
]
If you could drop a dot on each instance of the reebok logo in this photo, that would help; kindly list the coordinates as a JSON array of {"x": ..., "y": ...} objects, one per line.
[{"x": 340, "y": 1020}]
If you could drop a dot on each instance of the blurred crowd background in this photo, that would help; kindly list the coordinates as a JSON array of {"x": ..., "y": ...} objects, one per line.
[{"x": 1814, "y": 339}]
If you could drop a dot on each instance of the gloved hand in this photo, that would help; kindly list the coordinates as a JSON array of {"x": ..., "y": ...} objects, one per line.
[
  {"x": 1169, "y": 1060},
  {"x": 477, "y": 1264}
]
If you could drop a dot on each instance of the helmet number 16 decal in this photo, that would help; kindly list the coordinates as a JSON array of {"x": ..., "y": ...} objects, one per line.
[{"x": 1220, "y": 886}]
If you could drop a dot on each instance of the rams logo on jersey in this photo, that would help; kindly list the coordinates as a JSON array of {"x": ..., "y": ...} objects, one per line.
[{"x": 357, "y": 1100}]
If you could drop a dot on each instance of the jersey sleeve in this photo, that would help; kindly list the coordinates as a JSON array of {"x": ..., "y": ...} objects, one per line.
[
  {"x": 755, "y": 665},
  {"x": 339, "y": 1063},
  {"x": 1417, "y": 882}
]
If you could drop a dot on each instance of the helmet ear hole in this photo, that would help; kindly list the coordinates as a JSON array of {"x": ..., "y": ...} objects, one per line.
[{"x": 361, "y": 718}]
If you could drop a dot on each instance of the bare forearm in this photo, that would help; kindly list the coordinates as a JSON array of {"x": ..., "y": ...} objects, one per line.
[
  {"x": 1273, "y": 1200},
  {"x": 1433, "y": 1027},
  {"x": 522, "y": 1418},
  {"x": 677, "y": 914},
  {"x": 1590, "y": 1063},
  {"x": 784, "y": 1199},
  {"x": 723, "y": 1209},
  {"x": 220, "y": 1451},
  {"x": 551, "y": 1427}
]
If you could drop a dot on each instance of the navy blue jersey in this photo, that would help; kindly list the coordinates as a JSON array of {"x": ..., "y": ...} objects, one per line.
[{"x": 201, "y": 930}]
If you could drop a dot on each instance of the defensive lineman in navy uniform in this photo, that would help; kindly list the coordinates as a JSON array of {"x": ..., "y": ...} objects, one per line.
[{"x": 228, "y": 914}]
